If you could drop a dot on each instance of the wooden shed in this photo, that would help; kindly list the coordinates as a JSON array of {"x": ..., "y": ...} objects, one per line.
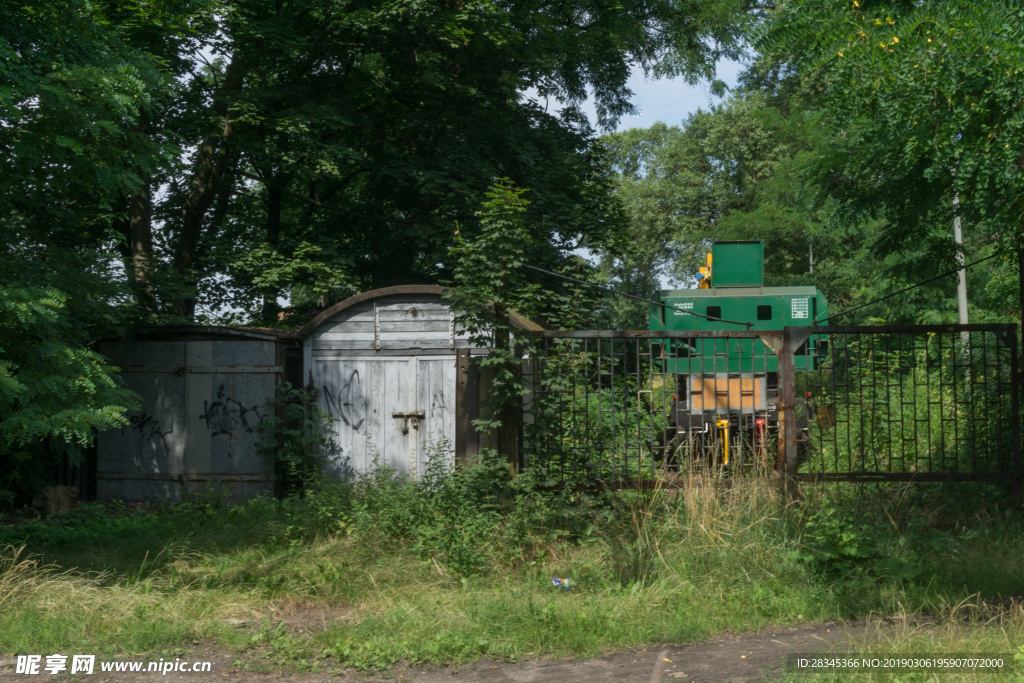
[{"x": 392, "y": 367}]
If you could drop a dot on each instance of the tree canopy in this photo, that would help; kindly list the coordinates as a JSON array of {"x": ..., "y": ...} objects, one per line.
[
  {"x": 258, "y": 149},
  {"x": 778, "y": 160},
  {"x": 926, "y": 99},
  {"x": 215, "y": 160}
]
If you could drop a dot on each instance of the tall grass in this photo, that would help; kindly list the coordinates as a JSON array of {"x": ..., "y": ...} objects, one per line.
[
  {"x": 45, "y": 608},
  {"x": 965, "y": 629},
  {"x": 459, "y": 565}
]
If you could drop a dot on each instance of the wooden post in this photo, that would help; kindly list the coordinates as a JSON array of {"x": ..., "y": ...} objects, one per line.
[
  {"x": 1020, "y": 285},
  {"x": 1015, "y": 427},
  {"x": 792, "y": 339},
  {"x": 508, "y": 416},
  {"x": 786, "y": 391},
  {"x": 463, "y": 424}
]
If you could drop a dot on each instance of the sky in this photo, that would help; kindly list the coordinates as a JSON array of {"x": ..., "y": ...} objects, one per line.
[{"x": 669, "y": 101}]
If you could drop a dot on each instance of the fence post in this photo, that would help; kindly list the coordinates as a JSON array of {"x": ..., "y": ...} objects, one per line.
[
  {"x": 792, "y": 338},
  {"x": 787, "y": 389},
  {"x": 1015, "y": 389}
]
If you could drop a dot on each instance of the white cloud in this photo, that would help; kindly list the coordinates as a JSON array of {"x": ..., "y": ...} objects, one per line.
[{"x": 669, "y": 101}]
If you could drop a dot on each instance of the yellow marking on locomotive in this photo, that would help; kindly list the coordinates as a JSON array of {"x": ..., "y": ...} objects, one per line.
[{"x": 705, "y": 271}]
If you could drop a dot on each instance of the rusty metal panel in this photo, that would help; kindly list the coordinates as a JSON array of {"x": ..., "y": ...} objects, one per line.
[{"x": 153, "y": 441}]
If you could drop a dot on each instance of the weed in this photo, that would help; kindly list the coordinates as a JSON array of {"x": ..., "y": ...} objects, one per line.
[
  {"x": 834, "y": 544},
  {"x": 297, "y": 434},
  {"x": 458, "y": 564}
]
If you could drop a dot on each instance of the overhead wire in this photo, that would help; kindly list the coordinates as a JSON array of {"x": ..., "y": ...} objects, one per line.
[
  {"x": 832, "y": 316},
  {"x": 638, "y": 298}
]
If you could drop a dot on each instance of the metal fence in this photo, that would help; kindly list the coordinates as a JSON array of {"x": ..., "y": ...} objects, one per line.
[
  {"x": 915, "y": 402},
  {"x": 629, "y": 409}
]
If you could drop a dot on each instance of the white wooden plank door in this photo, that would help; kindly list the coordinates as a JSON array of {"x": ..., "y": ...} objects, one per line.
[
  {"x": 435, "y": 396},
  {"x": 364, "y": 393}
]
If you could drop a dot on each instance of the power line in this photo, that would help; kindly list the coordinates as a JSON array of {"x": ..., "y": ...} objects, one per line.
[
  {"x": 906, "y": 289},
  {"x": 638, "y": 298}
]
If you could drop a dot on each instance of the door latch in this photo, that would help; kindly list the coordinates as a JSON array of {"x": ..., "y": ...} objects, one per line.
[{"x": 415, "y": 417}]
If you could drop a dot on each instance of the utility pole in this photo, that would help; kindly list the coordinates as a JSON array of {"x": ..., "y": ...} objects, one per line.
[{"x": 961, "y": 286}]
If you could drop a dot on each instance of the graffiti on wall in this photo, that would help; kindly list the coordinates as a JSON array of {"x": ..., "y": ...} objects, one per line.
[
  {"x": 347, "y": 403},
  {"x": 225, "y": 415},
  {"x": 149, "y": 428}
]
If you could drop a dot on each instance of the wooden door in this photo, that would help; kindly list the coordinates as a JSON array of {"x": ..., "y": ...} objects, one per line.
[
  {"x": 435, "y": 397},
  {"x": 389, "y": 410}
]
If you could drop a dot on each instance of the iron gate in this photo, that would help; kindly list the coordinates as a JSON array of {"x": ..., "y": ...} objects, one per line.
[
  {"x": 850, "y": 403},
  {"x": 914, "y": 402}
]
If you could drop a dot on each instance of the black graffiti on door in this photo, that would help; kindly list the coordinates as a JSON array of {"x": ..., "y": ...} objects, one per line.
[
  {"x": 348, "y": 403},
  {"x": 148, "y": 428},
  {"x": 226, "y": 414}
]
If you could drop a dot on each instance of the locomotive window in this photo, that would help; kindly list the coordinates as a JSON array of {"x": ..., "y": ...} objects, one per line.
[
  {"x": 714, "y": 311},
  {"x": 764, "y": 312}
]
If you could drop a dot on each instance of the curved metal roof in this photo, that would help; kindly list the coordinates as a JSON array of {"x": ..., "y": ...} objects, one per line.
[{"x": 515, "y": 319}]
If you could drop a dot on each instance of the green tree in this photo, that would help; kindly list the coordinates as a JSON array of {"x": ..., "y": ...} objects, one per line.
[
  {"x": 72, "y": 93},
  {"x": 54, "y": 390},
  {"x": 762, "y": 165},
  {"x": 340, "y": 139},
  {"x": 926, "y": 100},
  {"x": 726, "y": 173}
]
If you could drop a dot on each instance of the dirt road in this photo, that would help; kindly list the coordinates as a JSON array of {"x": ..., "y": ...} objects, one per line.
[{"x": 731, "y": 658}]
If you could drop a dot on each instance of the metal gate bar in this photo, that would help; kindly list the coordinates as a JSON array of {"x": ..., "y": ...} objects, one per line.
[
  {"x": 914, "y": 403},
  {"x": 629, "y": 408},
  {"x": 851, "y": 403}
]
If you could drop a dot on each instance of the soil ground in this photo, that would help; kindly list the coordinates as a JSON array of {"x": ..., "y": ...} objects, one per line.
[{"x": 744, "y": 657}]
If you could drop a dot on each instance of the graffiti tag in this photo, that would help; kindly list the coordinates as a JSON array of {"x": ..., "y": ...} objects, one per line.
[
  {"x": 148, "y": 428},
  {"x": 224, "y": 415},
  {"x": 347, "y": 404}
]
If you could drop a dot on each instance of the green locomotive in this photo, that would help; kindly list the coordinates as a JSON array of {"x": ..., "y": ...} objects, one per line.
[{"x": 729, "y": 386}]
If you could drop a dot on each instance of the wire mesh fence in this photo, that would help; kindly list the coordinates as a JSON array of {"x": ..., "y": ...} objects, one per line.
[{"x": 861, "y": 403}]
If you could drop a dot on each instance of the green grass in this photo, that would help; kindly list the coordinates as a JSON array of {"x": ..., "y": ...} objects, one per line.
[
  {"x": 456, "y": 568},
  {"x": 965, "y": 629}
]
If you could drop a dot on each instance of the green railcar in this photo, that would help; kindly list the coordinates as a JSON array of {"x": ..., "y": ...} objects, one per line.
[
  {"x": 727, "y": 388},
  {"x": 735, "y": 292}
]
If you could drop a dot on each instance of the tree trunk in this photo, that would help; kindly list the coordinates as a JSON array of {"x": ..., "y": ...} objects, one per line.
[
  {"x": 136, "y": 246},
  {"x": 212, "y": 162},
  {"x": 275, "y": 200},
  {"x": 140, "y": 236}
]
